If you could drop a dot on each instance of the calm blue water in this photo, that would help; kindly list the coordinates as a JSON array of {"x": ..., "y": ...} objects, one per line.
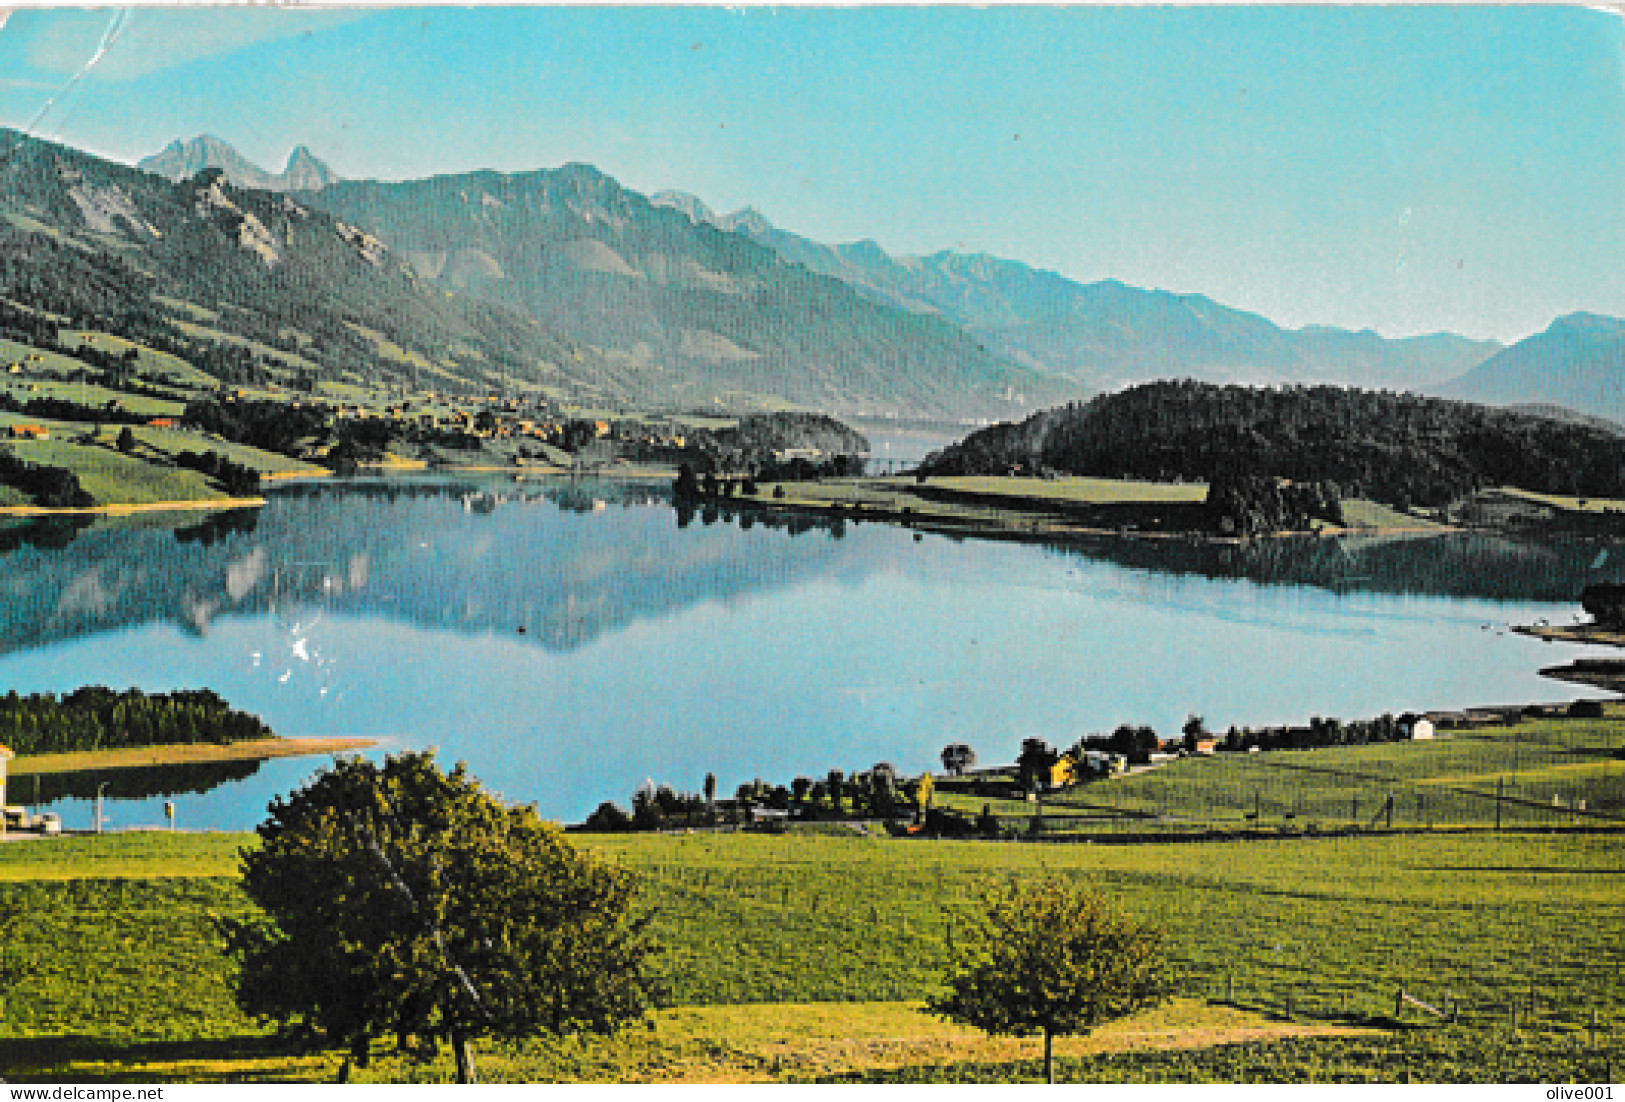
[{"x": 570, "y": 640}]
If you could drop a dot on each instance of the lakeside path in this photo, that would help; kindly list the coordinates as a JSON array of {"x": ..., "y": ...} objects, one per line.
[{"x": 134, "y": 757}]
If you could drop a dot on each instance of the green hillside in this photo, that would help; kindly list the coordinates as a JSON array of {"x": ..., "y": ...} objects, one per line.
[{"x": 247, "y": 288}]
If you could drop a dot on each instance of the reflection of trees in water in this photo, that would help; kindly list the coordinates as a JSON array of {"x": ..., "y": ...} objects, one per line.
[
  {"x": 748, "y": 516},
  {"x": 45, "y": 533},
  {"x": 219, "y": 526},
  {"x": 1451, "y": 565},
  {"x": 138, "y": 783},
  {"x": 1447, "y": 564}
]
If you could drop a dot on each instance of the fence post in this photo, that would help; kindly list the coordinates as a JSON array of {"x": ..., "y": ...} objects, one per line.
[
  {"x": 1399, "y": 1004},
  {"x": 1500, "y": 791},
  {"x": 1230, "y": 986}
]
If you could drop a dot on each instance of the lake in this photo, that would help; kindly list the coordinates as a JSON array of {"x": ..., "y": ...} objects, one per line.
[{"x": 571, "y": 639}]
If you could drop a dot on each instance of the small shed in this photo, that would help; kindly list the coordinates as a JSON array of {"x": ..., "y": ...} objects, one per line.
[{"x": 1422, "y": 730}]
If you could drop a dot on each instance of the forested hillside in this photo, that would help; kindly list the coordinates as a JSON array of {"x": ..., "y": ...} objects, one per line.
[{"x": 1396, "y": 448}]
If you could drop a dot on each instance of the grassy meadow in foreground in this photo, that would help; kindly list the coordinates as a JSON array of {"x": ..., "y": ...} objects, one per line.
[{"x": 1269, "y": 938}]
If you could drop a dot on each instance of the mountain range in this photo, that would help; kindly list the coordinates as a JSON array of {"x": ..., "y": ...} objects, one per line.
[
  {"x": 247, "y": 286},
  {"x": 592, "y": 290},
  {"x": 680, "y": 307},
  {"x": 1107, "y": 335}
]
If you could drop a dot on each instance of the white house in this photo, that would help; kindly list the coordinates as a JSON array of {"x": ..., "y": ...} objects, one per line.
[{"x": 1422, "y": 729}]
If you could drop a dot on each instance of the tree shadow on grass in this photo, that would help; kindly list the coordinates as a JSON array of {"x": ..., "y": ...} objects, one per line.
[{"x": 78, "y": 1058}]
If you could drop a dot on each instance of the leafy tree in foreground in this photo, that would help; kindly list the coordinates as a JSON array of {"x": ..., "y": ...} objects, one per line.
[
  {"x": 402, "y": 900},
  {"x": 1053, "y": 958}
]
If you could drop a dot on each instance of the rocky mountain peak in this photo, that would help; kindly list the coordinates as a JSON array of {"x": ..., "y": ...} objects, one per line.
[{"x": 183, "y": 160}]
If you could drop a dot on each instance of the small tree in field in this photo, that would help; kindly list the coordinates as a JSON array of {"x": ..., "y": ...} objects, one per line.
[
  {"x": 957, "y": 757},
  {"x": 1053, "y": 958},
  {"x": 404, "y": 901}
]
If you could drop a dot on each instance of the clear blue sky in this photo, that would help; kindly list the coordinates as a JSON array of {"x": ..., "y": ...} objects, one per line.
[{"x": 1409, "y": 169}]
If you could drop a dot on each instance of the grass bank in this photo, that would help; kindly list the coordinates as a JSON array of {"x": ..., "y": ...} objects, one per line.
[
  {"x": 144, "y": 478},
  {"x": 197, "y": 753}
]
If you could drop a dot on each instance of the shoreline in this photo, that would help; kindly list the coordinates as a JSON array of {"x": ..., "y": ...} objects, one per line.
[
  {"x": 129, "y": 509},
  {"x": 1591, "y": 634},
  {"x": 205, "y": 753},
  {"x": 1034, "y": 525}
]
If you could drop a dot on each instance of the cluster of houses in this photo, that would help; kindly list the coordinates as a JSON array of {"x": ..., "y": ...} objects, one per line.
[{"x": 491, "y": 417}]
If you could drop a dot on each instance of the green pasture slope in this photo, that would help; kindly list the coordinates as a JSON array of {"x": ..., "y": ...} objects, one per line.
[
  {"x": 127, "y": 979},
  {"x": 1535, "y": 773}
]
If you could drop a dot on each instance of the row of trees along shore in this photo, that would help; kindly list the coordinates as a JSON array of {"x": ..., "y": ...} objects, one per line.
[
  {"x": 881, "y": 793},
  {"x": 98, "y": 718},
  {"x": 876, "y": 793}
]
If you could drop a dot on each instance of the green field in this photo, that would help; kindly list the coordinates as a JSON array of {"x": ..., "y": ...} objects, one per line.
[
  {"x": 1036, "y": 507},
  {"x": 1297, "y": 933},
  {"x": 1536, "y": 773},
  {"x": 141, "y": 477}
]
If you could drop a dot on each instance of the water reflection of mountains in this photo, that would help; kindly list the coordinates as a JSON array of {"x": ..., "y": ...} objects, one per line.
[
  {"x": 559, "y": 563},
  {"x": 555, "y": 563}
]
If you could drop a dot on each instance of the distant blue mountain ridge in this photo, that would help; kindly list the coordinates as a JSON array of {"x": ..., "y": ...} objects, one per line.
[
  {"x": 1578, "y": 362},
  {"x": 1107, "y": 334}
]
